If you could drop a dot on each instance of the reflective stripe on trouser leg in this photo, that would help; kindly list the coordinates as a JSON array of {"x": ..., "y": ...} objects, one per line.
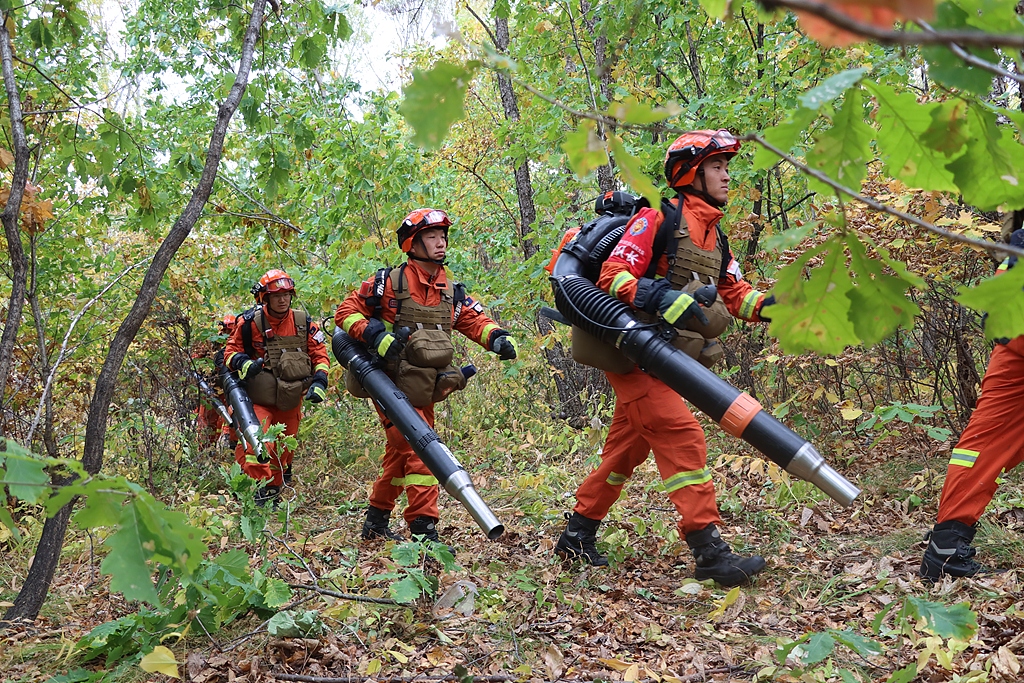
[
  {"x": 675, "y": 436},
  {"x": 403, "y": 470},
  {"x": 623, "y": 451},
  {"x": 995, "y": 434}
]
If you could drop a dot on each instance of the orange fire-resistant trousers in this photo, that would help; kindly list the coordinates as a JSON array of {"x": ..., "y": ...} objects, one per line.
[
  {"x": 402, "y": 470},
  {"x": 209, "y": 423},
  {"x": 993, "y": 441},
  {"x": 273, "y": 470},
  {"x": 650, "y": 416}
]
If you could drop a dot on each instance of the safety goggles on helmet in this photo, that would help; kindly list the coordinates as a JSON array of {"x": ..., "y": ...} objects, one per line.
[
  {"x": 281, "y": 284},
  {"x": 691, "y": 149}
]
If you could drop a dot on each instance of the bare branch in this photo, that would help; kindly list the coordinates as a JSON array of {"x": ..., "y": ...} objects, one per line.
[
  {"x": 997, "y": 247},
  {"x": 968, "y": 58},
  {"x": 344, "y": 596},
  {"x": 886, "y": 37}
]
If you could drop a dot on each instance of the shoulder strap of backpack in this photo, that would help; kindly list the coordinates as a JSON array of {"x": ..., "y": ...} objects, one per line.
[
  {"x": 723, "y": 241},
  {"x": 458, "y": 300},
  {"x": 398, "y": 285},
  {"x": 301, "y": 329},
  {"x": 379, "y": 283},
  {"x": 665, "y": 240},
  {"x": 246, "y": 323}
]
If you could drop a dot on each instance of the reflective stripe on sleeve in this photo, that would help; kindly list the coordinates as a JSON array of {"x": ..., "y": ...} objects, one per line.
[
  {"x": 348, "y": 322},
  {"x": 490, "y": 327},
  {"x": 321, "y": 366},
  {"x": 623, "y": 278},
  {"x": 683, "y": 479},
  {"x": 963, "y": 457},
  {"x": 749, "y": 305}
]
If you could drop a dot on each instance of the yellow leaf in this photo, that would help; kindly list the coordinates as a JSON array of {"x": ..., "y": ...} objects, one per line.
[
  {"x": 373, "y": 667},
  {"x": 160, "y": 660},
  {"x": 6, "y": 158},
  {"x": 831, "y": 363},
  {"x": 729, "y": 599},
  {"x": 615, "y": 664},
  {"x": 851, "y": 413},
  {"x": 818, "y": 393},
  {"x": 831, "y": 397},
  {"x": 632, "y": 673}
]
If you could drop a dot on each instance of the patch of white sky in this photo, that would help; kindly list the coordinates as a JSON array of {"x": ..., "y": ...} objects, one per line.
[{"x": 374, "y": 57}]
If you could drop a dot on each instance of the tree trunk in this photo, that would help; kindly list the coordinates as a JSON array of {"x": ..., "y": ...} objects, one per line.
[
  {"x": 37, "y": 583},
  {"x": 10, "y": 215}
]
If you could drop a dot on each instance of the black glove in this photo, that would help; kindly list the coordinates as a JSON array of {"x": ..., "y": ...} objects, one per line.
[
  {"x": 318, "y": 389},
  {"x": 246, "y": 367},
  {"x": 677, "y": 307},
  {"x": 381, "y": 342},
  {"x": 504, "y": 345},
  {"x": 768, "y": 301}
]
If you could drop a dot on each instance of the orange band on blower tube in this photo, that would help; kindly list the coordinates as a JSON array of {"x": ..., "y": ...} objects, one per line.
[{"x": 739, "y": 414}]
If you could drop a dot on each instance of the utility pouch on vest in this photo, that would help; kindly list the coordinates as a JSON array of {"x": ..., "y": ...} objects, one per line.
[
  {"x": 293, "y": 364},
  {"x": 589, "y": 350},
  {"x": 354, "y": 387},
  {"x": 449, "y": 380},
  {"x": 430, "y": 348},
  {"x": 290, "y": 394},
  {"x": 262, "y": 389},
  {"x": 717, "y": 314},
  {"x": 416, "y": 382},
  {"x": 712, "y": 352},
  {"x": 689, "y": 342}
]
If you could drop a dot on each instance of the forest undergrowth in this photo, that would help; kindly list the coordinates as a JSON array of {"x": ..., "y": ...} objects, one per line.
[{"x": 840, "y": 600}]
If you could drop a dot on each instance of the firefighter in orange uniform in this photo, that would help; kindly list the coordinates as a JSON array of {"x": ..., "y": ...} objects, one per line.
[
  {"x": 209, "y": 422},
  {"x": 660, "y": 261},
  {"x": 280, "y": 354},
  {"x": 993, "y": 443},
  {"x": 419, "y": 295}
]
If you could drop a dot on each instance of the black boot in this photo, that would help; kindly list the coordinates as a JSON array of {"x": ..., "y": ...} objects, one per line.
[
  {"x": 716, "y": 560},
  {"x": 288, "y": 475},
  {"x": 425, "y": 527},
  {"x": 376, "y": 525},
  {"x": 579, "y": 541},
  {"x": 267, "y": 494},
  {"x": 949, "y": 551}
]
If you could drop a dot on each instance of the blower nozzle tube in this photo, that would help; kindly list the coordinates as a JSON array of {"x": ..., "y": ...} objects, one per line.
[
  {"x": 424, "y": 440},
  {"x": 739, "y": 414},
  {"x": 243, "y": 416}
]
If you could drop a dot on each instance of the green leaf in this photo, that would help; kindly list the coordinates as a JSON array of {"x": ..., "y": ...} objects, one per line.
[
  {"x": 813, "y": 315},
  {"x": 784, "y": 136},
  {"x": 904, "y": 675},
  {"x": 584, "y": 149},
  {"x": 276, "y": 593},
  {"x": 126, "y": 562},
  {"x": 406, "y": 554},
  {"x": 948, "y": 69},
  {"x": 1000, "y": 297},
  {"x": 865, "y": 647},
  {"x": 234, "y": 562},
  {"x": 848, "y": 676},
  {"x": 991, "y": 170},
  {"x": 956, "y": 621},
  {"x": 630, "y": 110},
  {"x": 787, "y": 239},
  {"x": 8, "y": 521},
  {"x": 902, "y": 125},
  {"x": 993, "y": 16},
  {"x": 632, "y": 172},
  {"x": 879, "y": 304},
  {"x": 434, "y": 100},
  {"x": 716, "y": 9},
  {"x": 102, "y": 507},
  {"x": 842, "y": 152},
  {"x": 831, "y": 88},
  {"x": 782, "y": 651},
  {"x": 406, "y": 590},
  {"x": 501, "y": 9},
  {"x": 160, "y": 660},
  {"x": 818, "y": 647},
  {"x": 291, "y": 624},
  {"x": 949, "y": 129},
  {"x": 26, "y": 476}
]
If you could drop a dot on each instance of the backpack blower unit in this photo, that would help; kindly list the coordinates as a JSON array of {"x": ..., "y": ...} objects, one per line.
[{"x": 586, "y": 306}]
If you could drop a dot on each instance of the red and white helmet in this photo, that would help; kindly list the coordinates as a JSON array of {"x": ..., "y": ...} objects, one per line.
[
  {"x": 418, "y": 221},
  {"x": 227, "y": 323},
  {"x": 275, "y": 280},
  {"x": 691, "y": 149}
]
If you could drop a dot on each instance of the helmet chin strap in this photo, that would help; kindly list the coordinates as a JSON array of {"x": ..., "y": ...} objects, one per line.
[
  {"x": 439, "y": 262},
  {"x": 702, "y": 192}
]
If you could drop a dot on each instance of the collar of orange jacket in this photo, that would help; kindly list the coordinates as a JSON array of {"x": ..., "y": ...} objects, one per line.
[{"x": 702, "y": 220}]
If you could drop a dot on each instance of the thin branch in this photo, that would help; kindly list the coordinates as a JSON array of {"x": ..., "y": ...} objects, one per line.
[
  {"x": 67, "y": 337},
  {"x": 887, "y": 37},
  {"x": 882, "y": 208},
  {"x": 259, "y": 204},
  {"x": 483, "y": 182},
  {"x": 583, "y": 63},
  {"x": 487, "y": 28},
  {"x": 971, "y": 59},
  {"x": 311, "y": 573},
  {"x": 344, "y": 596}
]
